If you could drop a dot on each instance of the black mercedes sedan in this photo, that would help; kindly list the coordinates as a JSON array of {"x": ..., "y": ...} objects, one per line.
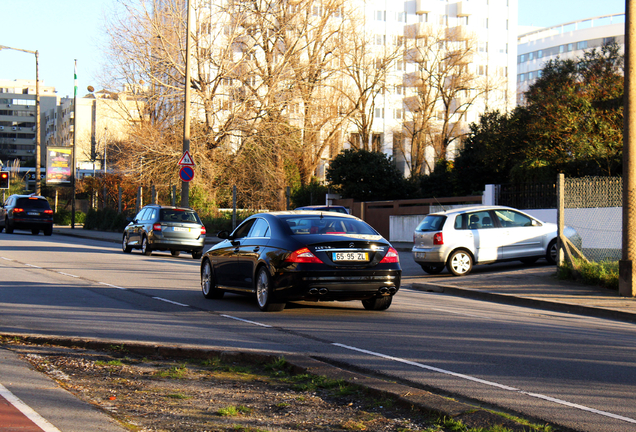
[{"x": 303, "y": 256}]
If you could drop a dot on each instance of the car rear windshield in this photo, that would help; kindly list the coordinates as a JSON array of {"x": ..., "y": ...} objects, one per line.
[
  {"x": 33, "y": 203},
  {"x": 316, "y": 224},
  {"x": 175, "y": 215},
  {"x": 431, "y": 223}
]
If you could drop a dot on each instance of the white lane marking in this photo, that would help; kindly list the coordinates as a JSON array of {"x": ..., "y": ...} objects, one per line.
[
  {"x": 68, "y": 274},
  {"x": 27, "y": 411},
  {"x": 458, "y": 313},
  {"x": 170, "y": 301},
  {"x": 112, "y": 286},
  {"x": 6, "y": 259},
  {"x": 34, "y": 266},
  {"x": 490, "y": 383},
  {"x": 246, "y": 321}
]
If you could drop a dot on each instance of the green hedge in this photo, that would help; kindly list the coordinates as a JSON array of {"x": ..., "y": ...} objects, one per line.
[
  {"x": 63, "y": 217},
  {"x": 105, "y": 220}
]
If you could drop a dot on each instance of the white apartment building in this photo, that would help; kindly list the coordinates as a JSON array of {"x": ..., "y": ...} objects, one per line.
[
  {"x": 486, "y": 28},
  {"x": 565, "y": 41},
  {"x": 17, "y": 118}
]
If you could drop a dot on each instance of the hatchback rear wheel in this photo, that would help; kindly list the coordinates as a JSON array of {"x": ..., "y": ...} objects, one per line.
[
  {"x": 460, "y": 263},
  {"x": 145, "y": 247},
  {"x": 124, "y": 244}
]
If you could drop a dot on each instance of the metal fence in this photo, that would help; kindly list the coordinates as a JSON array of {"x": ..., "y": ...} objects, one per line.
[
  {"x": 527, "y": 195},
  {"x": 593, "y": 207}
]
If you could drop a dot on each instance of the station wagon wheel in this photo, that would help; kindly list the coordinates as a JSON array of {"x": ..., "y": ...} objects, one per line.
[
  {"x": 145, "y": 247},
  {"x": 8, "y": 227},
  {"x": 208, "y": 283},
  {"x": 175, "y": 253},
  {"x": 124, "y": 244},
  {"x": 432, "y": 268},
  {"x": 377, "y": 303},
  {"x": 264, "y": 292},
  {"x": 551, "y": 253},
  {"x": 460, "y": 263}
]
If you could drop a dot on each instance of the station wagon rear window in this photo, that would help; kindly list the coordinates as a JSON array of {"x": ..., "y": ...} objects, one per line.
[{"x": 170, "y": 215}]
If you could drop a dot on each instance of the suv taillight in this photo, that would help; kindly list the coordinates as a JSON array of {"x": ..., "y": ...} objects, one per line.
[
  {"x": 203, "y": 230},
  {"x": 391, "y": 257},
  {"x": 156, "y": 227},
  {"x": 18, "y": 210},
  {"x": 438, "y": 239},
  {"x": 48, "y": 211}
]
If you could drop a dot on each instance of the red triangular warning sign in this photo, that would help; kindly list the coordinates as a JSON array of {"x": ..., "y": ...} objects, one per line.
[{"x": 186, "y": 159}]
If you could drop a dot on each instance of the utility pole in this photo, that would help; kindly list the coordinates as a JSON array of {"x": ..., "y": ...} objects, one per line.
[
  {"x": 74, "y": 156},
  {"x": 626, "y": 280},
  {"x": 185, "y": 186}
]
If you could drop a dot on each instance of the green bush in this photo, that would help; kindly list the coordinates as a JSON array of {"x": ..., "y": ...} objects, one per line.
[
  {"x": 222, "y": 221},
  {"x": 63, "y": 217},
  {"x": 105, "y": 220},
  {"x": 603, "y": 273}
]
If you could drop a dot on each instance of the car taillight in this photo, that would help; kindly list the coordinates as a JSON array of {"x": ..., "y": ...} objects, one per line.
[
  {"x": 48, "y": 211},
  {"x": 18, "y": 210},
  {"x": 156, "y": 227},
  {"x": 303, "y": 255},
  {"x": 390, "y": 257},
  {"x": 438, "y": 239},
  {"x": 203, "y": 231}
]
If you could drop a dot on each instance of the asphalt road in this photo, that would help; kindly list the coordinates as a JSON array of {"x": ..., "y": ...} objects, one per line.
[{"x": 574, "y": 371}]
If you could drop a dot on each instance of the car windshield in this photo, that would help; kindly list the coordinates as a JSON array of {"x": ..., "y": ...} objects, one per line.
[
  {"x": 431, "y": 223},
  {"x": 176, "y": 215},
  {"x": 32, "y": 203},
  {"x": 324, "y": 224}
]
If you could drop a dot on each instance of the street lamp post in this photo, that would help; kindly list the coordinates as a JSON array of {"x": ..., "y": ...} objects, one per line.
[{"x": 38, "y": 160}]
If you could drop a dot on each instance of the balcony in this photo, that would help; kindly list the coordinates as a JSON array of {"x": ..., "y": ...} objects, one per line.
[
  {"x": 413, "y": 80},
  {"x": 465, "y": 8},
  {"x": 459, "y": 58},
  {"x": 412, "y": 103},
  {"x": 424, "y": 6},
  {"x": 457, "y": 33},
  {"x": 413, "y": 55},
  {"x": 418, "y": 30}
]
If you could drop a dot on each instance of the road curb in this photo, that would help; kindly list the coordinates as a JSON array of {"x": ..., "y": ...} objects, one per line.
[
  {"x": 406, "y": 396},
  {"x": 554, "y": 306}
]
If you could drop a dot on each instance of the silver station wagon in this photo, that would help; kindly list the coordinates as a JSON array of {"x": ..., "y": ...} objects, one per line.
[{"x": 459, "y": 238}]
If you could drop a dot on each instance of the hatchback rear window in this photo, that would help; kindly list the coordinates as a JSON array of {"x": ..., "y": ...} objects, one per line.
[
  {"x": 174, "y": 215},
  {"x": 33, "y": 203},
  {"x": 431, "y": 223},
  {"x": 327, "y": 225}
]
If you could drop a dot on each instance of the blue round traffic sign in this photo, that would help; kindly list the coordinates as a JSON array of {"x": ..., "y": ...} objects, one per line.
[{"x": 186, "y": 173}]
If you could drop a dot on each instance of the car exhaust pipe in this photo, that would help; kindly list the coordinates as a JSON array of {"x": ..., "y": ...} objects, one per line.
[
  {"x": 313, "y": 291},
  {"x": 392, "y": 290},
  {"x": 323, "y": 291},
  {"x": 384, "y": 291}
]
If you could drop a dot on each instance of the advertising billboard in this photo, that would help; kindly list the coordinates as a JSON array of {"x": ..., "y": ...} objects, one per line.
[{"x": 59, "y": 164}]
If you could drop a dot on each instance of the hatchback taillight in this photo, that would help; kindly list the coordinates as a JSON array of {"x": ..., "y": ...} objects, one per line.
[
  {"x": 303, "y": 255},
  {"x": 391, "y": 257},
  {"x": 203, "y": 231},
  {"x": 438, "y": 239},
  {"x": 156, "y": 227}
]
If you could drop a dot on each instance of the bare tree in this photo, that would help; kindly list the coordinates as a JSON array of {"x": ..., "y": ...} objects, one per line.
[{"x": 441, "y": 89}]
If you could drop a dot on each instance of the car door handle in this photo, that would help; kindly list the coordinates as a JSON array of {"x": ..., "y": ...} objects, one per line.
[{"x": 257, "y": 248}]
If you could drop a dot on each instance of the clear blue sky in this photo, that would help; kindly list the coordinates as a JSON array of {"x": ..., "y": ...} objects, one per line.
[{"x": 65, "y": 30}]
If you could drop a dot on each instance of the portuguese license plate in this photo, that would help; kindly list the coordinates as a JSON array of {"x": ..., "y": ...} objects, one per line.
[
  {"x": 181, "y": 229},
  {"x": 350, "y": 256},
  {"x": 33, "y": 213},
  {"x": 420, "y": 254}
]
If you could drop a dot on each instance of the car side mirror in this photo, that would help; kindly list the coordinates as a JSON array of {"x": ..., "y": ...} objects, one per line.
[{"x": 224, "y": 235}]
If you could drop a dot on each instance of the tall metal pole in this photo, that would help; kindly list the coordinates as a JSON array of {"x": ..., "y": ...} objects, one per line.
[
  {"x": 38, "y": 149},
  {"x": 74, "y": 158},
  {"x": 626, "y": 280},
  {"x": 185, "y": 186}
]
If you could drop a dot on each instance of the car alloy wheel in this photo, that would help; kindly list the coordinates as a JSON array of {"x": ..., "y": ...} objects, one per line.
[
  {"x": 551, "y": 254},
  {"x": 208, "y": 285},
  {"x": 145, "y": 248},
  {"x": 377, "y": 303},
  {"x": 460, "y": 263},
  {"x": 124, "y": 244},
  {"x": 264, "y": 294}
]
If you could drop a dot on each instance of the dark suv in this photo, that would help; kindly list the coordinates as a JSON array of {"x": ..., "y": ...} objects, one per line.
[
  {"x": 168, "y": 228},
  {"x": 27, "y": 212}
]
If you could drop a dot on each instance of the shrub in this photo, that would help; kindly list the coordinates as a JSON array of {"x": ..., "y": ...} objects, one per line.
[{"x": 63, "y": 217}]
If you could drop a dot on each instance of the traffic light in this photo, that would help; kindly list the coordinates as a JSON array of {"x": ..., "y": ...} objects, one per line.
[{"x": 4, "y": 179}]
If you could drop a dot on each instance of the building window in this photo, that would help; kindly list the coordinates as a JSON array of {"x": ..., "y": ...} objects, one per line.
[
  {"x": 539, "y": 54},
  {"x": 530, "y": 56},
  {"x": 380, "y": 15},
  {"x": 379, "y": 113},
  {"x": 581, "y": 45},
  {"x": 570, "y": 47},
  {"x": 401, "y": 16}
]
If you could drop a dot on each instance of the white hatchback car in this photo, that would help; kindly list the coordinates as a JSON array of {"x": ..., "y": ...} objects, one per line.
[{"x": 458, "y": 238}]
